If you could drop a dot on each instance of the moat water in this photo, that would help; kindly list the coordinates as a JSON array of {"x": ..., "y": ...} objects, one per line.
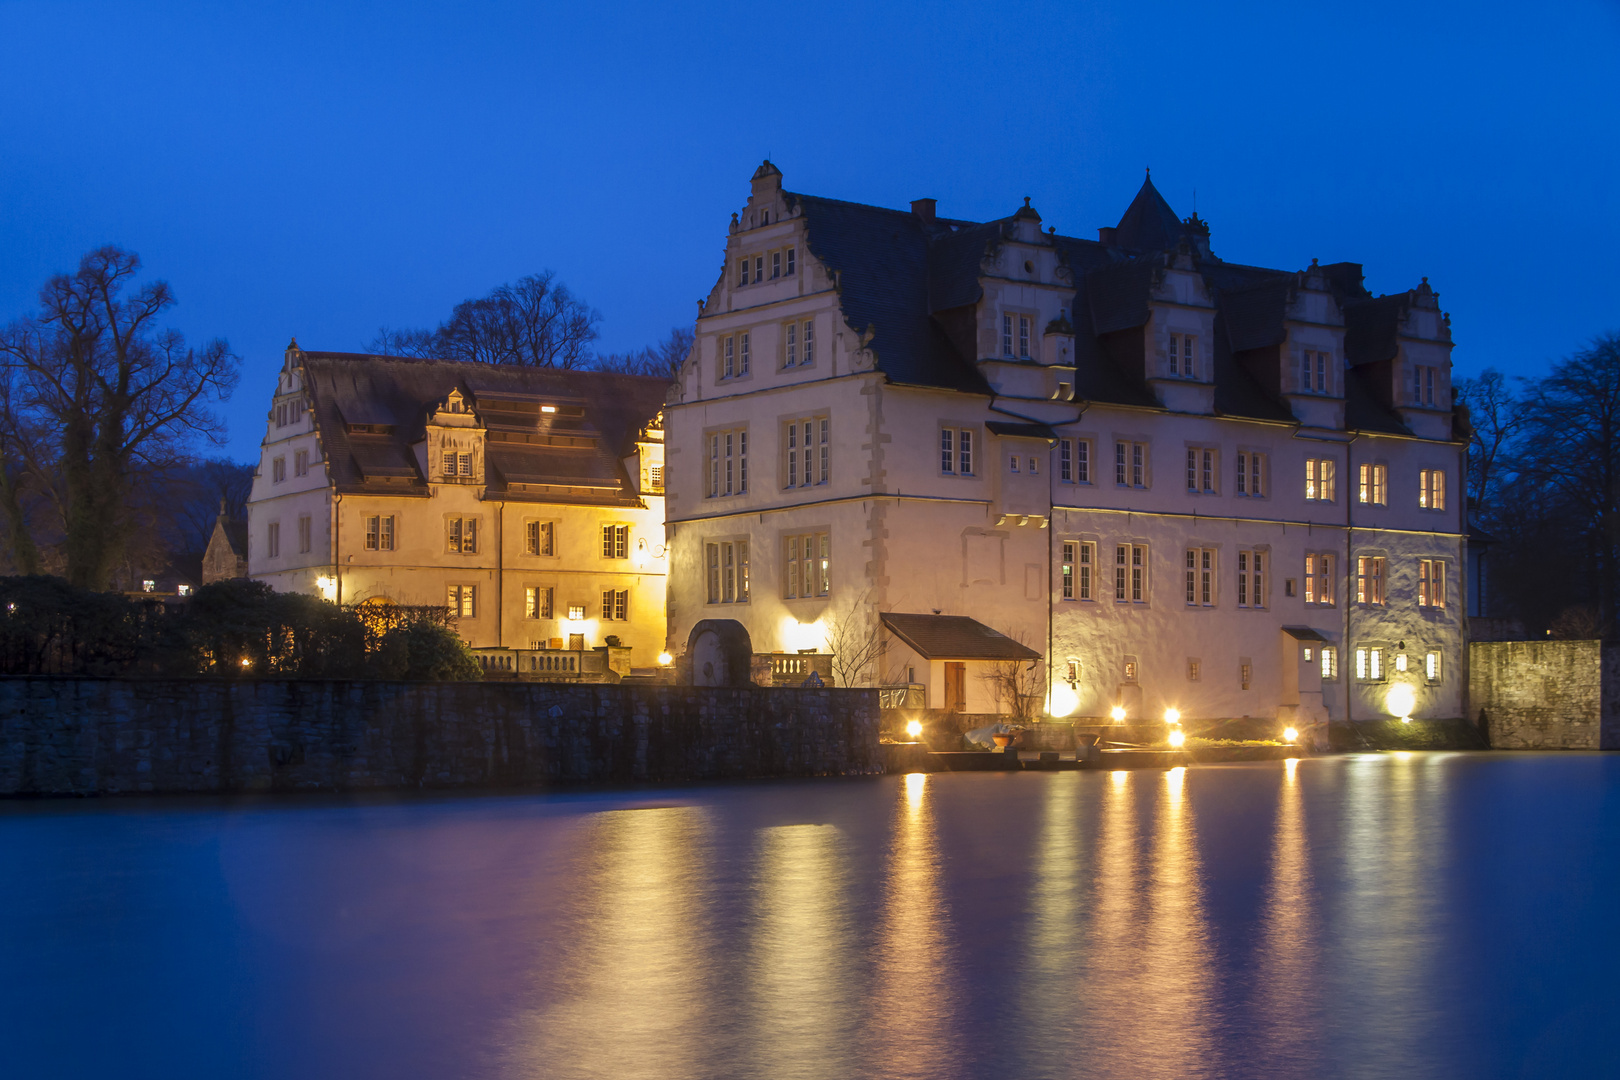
[{"x": 1384, "y": 915}]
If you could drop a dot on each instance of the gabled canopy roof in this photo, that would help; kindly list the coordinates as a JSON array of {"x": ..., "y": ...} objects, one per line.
[{"x": 954, "y": 637}]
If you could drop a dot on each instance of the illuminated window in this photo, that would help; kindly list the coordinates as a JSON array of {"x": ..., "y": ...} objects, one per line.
[
  {"x": 538, "y": 537},
  {"x": 1431, "y": 667},
  {"x": 1319, "y": 479},
  {"x": 463, "y": 601},
  {"x": 537, "y": 602},
  {"x": 462, "y": 535},
  {"x": 1432, "y": 489},
  {"x": 1373, "y": 489},
  {"x": 380, "y": 533},
  {"x": 807, "y": 565},
  {"x": 1330, "y": 662},
  {"x": 1370, "y": 579},
  {"x": 1431, "y": 583},
  {"x": 615, "y": 541},
  {"x": 1369, "y": 663}
]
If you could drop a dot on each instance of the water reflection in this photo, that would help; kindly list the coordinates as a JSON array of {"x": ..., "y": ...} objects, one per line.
[
  {"x": 801, "y": 967},
  {"x": 632, "y": 994},
  {"x": 1288, "y": 1006},
  {"x": 912, "y": 1027}
]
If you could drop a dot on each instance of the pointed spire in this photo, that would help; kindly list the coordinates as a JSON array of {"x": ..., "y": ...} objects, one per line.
[{"x": 1148, "y": 224}]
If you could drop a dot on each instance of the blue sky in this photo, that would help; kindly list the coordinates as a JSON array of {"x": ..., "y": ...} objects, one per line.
[{"x": 325, "y": 169}]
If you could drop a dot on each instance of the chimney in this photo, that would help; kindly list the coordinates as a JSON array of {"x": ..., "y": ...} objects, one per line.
[
  {"x": 924, "y": 210},
  {"x": 1105, "y": 236}
]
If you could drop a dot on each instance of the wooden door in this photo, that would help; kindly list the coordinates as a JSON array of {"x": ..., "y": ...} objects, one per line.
[{"x": 955, "y": 686}]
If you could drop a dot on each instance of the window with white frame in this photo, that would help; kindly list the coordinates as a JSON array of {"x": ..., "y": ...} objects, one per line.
[
  {"x": 807, "y": 559},
  {"x": 461, "y": 535},
  {"x": 1423, "y": 383},
  {"x": 1431, "y": 583},
  {"x": 1251, "y": 474},
  {"x": 1330, "y": 662},
  {"x": 1320, "y": 479},
  {"x": 301, "y": 463},
  {"x": 1201, "y": 470},
  {"x": 790, "y": 344},
  {"x": 1319, "y": 578},
  {"x": 744, "y": 264},
  {"x": 539, "y": 537},
  {"x": 380, "y": 532},
  {"x": 1251, "y": 578},
  {"x": 1431, "y": 666},
  {"x": 1079, "y": 559},
  {"x": 615, "y": 541},
  {"x": 1130, "y": 573},
  {"x": 1182, "y": 355},
  {"x": 537, "y": 602},
  {"x": 956, "y": 451},
  {"x": 1373, "y": 487},
  {"x": 1074, "y": 461},
  {"x": 805, "y": 451},
  {"x": 305, "y": 534},
  {"x": 1432, "y": 489},
  {"x": 278, "y": 470},
  {"x": 272, "y": 539},
  {"x": 1016, "y": 333},
  {"x": 463, "y": 601},
  {"x": 734, "y": 355},
  {"x": 615, "y": 605},
  {"x": 1369, "y": 579},
  {"x": 727, "y": 563},
  {"x": 1130, "y": 464},
  {"x": 1012, "y": 462},
  {"x": 1316, "y": 372},
  {"x": 1369, "y": 663},
  {"x": 1200, "y": 570},
  {"x": 457, "y": 465},
  {"x": 728, "y": 463}
]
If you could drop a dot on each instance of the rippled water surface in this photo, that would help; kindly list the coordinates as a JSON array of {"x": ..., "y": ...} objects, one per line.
[{"x": 1380, "y": 915}]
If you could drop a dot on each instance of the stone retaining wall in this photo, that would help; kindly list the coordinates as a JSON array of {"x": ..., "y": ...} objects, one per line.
[
  {"x": 65, "y": 736},
  {"x": 1545, "y": 695}
]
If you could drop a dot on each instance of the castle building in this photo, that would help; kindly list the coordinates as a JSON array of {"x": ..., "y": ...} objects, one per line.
[
  {"x": 529, "y": 501},
  {"x": 1182, "y": 483}
]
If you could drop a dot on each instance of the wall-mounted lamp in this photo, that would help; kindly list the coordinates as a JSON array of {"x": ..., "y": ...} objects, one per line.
[{"x": 328, "y": 587}]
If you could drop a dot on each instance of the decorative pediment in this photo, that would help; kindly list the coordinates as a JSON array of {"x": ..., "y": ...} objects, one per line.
[{"x": 456, "y": 410}]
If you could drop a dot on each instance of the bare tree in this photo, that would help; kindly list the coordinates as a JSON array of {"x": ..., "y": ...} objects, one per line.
[
  {"x": 856, "y": 639},
  {"x": 107, "y": 390},
  {"x": 1495, "y": 416},
  {"x": 664, "y": 359},
  {"x": 1015, "y": 685},
  {"x": 533, "y": 322}
]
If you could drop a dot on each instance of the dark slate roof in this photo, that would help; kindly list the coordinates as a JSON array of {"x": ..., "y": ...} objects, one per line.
[
  {"x": 1372, "y": 328},
  {"x": 954, "y": 637},
  {"x": 882, "y": 261},
  {"x": 1363, "y": 410},
  {"x": 1021, "y": 431},
  {"x": 1148, "y": 224},
  {"x": 574, "y": 454}
]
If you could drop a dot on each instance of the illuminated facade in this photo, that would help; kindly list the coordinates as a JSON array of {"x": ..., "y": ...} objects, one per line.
[
  {"x": 529, "y": 501},
  {"x": 1185, "y": 483}
]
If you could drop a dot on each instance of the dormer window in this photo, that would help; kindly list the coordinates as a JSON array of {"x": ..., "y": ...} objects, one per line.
[
  {"x": 1423, "y": 381},
  {"x": 1314, "y": 373},
  {"x": 1183, "y": 350},
  {"x": 1015, "y": 329}
]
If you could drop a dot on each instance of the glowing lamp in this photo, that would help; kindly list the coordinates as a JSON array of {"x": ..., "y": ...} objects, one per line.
[
  {"x": 328, "y": 587},
  {"x": 1062, "y": 701},
  {"x": 913, "y": 728},
  {"x": 1290, "y": 734},
  {"x": 1400, "y": 701},
  {"x": 664, "y": 659},
  {"x": 548, "y": 408},
  {"x": 1178, "y": 738},
  {"x": 1172, "y": 716},
  {"x": 246, "y": 662},
  {"x": 1118, "y": 713}
]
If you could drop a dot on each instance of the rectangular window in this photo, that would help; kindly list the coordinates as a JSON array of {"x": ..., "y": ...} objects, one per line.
[
  {"x": 742, "y": 271},
  {"x": 1373, "y": 489},
  {"x": 1251, "y": 579},
  {"x": 947, "y": 450},
  {"x": 301, "y": 463},
  {"x": 1330, "y": 662},
  {"x": 1069, "y": 555},
  {"x": 615, "y": 541},
  {"x": 1181, "y": 353},
  {"x": 1130, "y": 573},
  {"x": 1369, "y": 579},
  {"x": 788, "y": 253},
  {"x": 1201, "y": 577},
  {"x": 380, "y": 533},
  {"x": 1370, "y": 663},
  {"x": 1012, "y": 462},
  {"x": 1138, "y": 465},
  {"x": 809, "y": 343},
  {"x": 1006, "y": 335},
  {"x": 1023, "y": 337},
  {"x": 1431, "y": 666},
  {"x": 1201, "y": 470},
  {"x": 463, "y": 535},
  {"x": 1423, "y": 385},
  {"x": 759, "y": 268},
  {"x": 304, "y": 537},
  {"x": 1432, "y": 489},
  {"x": 1314, "y": 372},
  {"x": 1130, "y": 464},
  {"x": 1088, "y": 558},
  {"x": 615, "y": 605},
  {"x": 776, "y": 265},
  {"x": 742, "y": 353},
  {"x": 466, "y": 465},
  {"x": 1066, "y": 461},
  {"x": 806, "y": 450},
  {"x": 463, "y": 601},
  {"x": 1251, "y": 471},
  {"x": 537, "y": 602},
  {"x": 278, "y": 470},
  {"x": 1431, "y": 583},
  {"x": 539, "y": 537},
  {"x": 807, "y": 565},
  {"x": 272, "y": 539},
  {"x": 1319, "y": 479},
  {"x": 1319, "y": 578},
  {"x": 728, "y": 463},
  {"x": 963, "y": 440},
  {"x": 728, "y": 363},
  {"x": 790, "y": 345}
]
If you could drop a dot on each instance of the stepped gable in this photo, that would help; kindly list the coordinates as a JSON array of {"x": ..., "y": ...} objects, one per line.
[{"x": 372, "y": 411}]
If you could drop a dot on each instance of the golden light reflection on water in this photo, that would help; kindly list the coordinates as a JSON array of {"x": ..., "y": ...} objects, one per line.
[
  {"x": 911, "y": 1022},
  {"x": 632, "y": 996},
  {"x": 1289, "y": 1018},
  {"x": 801, "y": 965}
]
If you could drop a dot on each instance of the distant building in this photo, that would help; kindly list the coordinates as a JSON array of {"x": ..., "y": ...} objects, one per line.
[
  {"x": 528, "y": 501},
  {"x": 226, "y": 556},
  {"x": 1182, "y": 482}
]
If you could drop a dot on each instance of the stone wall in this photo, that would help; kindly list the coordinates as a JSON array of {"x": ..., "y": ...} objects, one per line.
[
  {"x": 62, "y": 736},
  {"x": 1545, "y": 695}
]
